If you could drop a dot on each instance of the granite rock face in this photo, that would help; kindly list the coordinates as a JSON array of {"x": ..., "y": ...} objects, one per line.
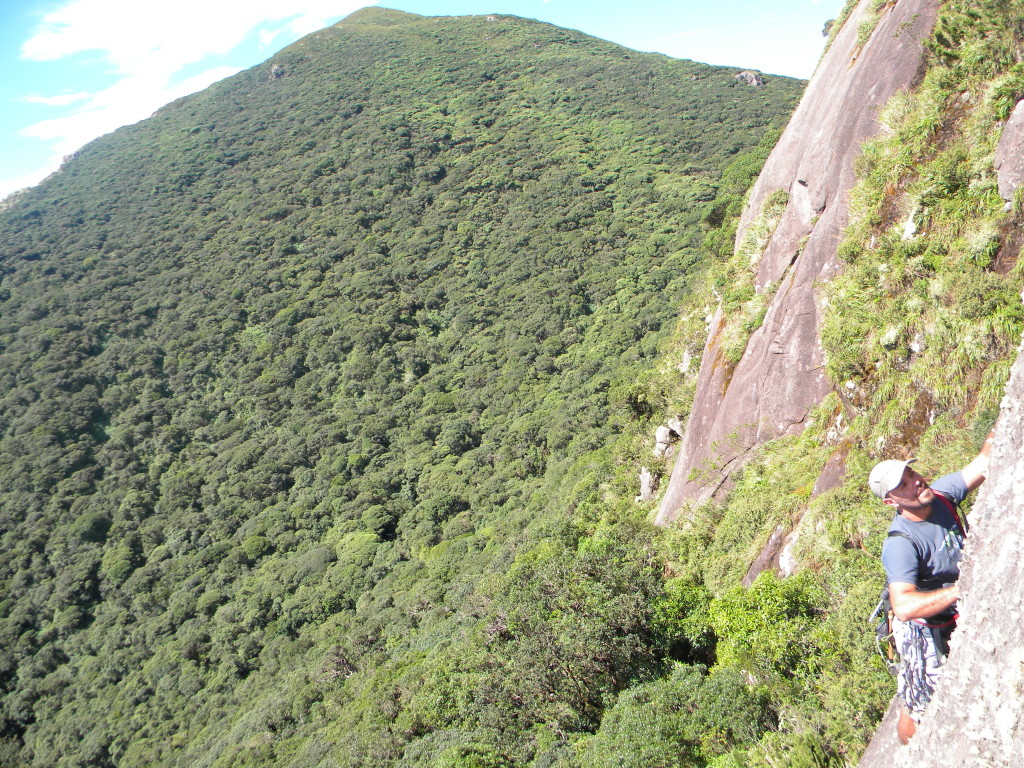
[
  {"x": 1009, "y": 159},
  {"x": 780, "y": 376},
  {"x": 976, "y": 717}
]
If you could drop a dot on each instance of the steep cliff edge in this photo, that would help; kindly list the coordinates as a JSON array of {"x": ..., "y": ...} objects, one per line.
[
  {"x": 977, "y": 715},
  {"x": 780, "y": 375}
]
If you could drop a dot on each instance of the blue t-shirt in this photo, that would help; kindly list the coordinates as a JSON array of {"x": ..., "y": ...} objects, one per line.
[{"x": 931, "y": 559}]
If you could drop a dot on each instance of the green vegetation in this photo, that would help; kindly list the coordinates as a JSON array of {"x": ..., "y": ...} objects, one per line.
[
  {"x": 324, "y": 394},
  {"x": 937, "y": 310},
  {"x": 321, "y": 401},
  {"x": 742, "y": 304},
  {"x": 870, "y": 20}
]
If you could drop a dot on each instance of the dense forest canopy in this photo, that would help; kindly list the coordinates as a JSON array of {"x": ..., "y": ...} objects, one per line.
[{"x": 311, "y": 390}]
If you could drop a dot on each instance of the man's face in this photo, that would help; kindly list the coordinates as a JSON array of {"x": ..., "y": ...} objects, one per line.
[{"x": 912, "y": 493}]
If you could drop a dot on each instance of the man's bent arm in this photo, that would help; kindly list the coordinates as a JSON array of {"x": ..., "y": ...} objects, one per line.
[{"x": 908, "y": 602}]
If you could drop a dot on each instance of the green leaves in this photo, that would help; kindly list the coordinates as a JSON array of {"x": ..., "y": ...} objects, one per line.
[
  {"x": 769, "y": 626},
  {"x": 312, "y": 360},
  {"x": 684, "y": 719},
  {"x": 91, "y": 527},
  {"x": 683, "y": 615},
  {"x": 570, "y": 625}
]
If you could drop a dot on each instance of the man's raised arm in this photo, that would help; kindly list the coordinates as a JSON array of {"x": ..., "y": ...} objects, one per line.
[{"x": 976, "y": 472}]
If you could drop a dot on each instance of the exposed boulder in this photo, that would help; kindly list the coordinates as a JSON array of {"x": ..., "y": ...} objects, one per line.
[
  {"x": 750, "y": 78},
  {"x": 685, "y": 363},
  {"x": 662, "y": 440},
  {"x": 664, "y": 436},
  {"x": 788, "y": 563},
  {"x": 768, "y": 556},
  {"x": 780, "y": 376},
  {"x": 832, "y": 474},
  {"x": 648, "y": 485},
  {"x": 778, "y": 554}
]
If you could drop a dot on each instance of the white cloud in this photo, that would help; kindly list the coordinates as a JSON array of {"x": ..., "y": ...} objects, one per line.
[
  {"x": 147, "y": 45},
  {"x": 168, "y": 36},
  {"x": 57, "y": 101},
  {"x": 131, "y": 99},
  {"x": 12, "y": 184},
  {"x": 267, "y": 37}
]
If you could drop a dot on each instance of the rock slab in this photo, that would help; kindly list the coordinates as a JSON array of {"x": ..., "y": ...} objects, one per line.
[
  {"x": 780, "y": 377},
  {"x": 1009, "y": 159}
]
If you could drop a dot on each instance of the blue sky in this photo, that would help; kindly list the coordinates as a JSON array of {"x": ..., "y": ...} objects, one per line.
[{"x": 76, "y": 69}]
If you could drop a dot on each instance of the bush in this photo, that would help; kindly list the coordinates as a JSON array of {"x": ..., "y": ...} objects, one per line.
[
  {"x": 682, "y": 614},
  {"x": 256, "y": 547},
  {"x": 768, "y": 628},
  {"x": 92, "y": 527},
  {"x": 685, "y": 719}
]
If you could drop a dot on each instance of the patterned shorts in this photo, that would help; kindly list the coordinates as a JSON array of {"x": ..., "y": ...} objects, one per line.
[{"x": 922, "y": 653}]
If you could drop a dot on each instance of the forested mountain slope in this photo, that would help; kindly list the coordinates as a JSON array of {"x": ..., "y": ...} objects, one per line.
[{"x": 316, "y": 396}]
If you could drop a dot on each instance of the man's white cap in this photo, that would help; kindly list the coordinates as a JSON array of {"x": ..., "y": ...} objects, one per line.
[{"x": 887, "y": 475}]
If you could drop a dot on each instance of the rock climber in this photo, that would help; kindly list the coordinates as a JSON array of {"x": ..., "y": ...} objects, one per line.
[{"x": 921, "y": 556}]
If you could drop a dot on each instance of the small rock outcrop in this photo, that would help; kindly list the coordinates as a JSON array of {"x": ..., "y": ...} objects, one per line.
[
  {"x": 768, "y": 556},
  {"x": 665, "y": 436},
  {"x": 662, "y": 440},
  {"x": 750, "y": 78},
  {"x": 1009, "y": 159},
  {"x": 648, "y": 485},
  {"x": 780, "y": 376}
]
